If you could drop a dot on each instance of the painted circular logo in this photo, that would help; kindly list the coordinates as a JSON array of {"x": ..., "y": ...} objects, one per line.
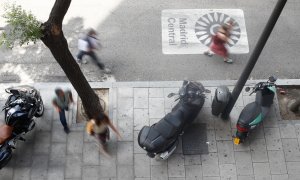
[{"x": 208, "y": 25}]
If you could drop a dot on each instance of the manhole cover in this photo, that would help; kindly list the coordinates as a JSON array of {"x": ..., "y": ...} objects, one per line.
[
  {"x": 194, "y": 140},
  {"x": 286, "y": 98},
  {"x": 103, "y": 96}
]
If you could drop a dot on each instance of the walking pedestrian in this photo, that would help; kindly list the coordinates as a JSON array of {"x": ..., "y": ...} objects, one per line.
[
  {"x": 87, "y": 46},
  {"x": 61, "y": 103},
  {"x": 219, "y": 40},
  {"x": 99, "y": 128}
]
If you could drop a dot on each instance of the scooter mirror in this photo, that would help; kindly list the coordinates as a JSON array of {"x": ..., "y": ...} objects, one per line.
[
  {"x": 171, "y": 95},
  {"x": 247, "y": 89},
  {"x": 272, "y": 79}
]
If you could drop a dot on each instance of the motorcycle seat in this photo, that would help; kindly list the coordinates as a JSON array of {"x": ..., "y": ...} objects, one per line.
[
  {"x": 5, "y": 133},
  {"x": 249, "y": 113}
]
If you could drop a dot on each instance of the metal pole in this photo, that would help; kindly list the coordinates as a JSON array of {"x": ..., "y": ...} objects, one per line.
[{"x": 254, "y": 57}]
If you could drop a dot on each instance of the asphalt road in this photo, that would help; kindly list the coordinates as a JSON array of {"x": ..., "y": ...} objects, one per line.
[{"x": 131, "y": 36}]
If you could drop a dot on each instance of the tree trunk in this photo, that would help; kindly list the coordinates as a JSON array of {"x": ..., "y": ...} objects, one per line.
[{"x": 55, "y": 40}]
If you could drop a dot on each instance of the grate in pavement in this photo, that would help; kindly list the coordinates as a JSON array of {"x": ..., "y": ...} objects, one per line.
[
  {"x": 103, "y": 95},
  {"x": 194, "y": 140}
]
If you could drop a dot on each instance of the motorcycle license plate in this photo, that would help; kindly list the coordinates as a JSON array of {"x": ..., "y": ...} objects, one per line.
[{"x": 236, "y": 141}]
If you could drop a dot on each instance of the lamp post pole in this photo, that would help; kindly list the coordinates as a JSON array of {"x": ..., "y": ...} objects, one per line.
[{"x": 254, "y": 57}]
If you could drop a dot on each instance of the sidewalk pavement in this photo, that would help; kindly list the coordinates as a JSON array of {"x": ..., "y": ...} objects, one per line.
[{"x": 271, "y": 153}]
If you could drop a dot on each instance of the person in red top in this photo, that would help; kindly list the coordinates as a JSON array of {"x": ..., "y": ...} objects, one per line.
[{"x": 219, "y": 41}]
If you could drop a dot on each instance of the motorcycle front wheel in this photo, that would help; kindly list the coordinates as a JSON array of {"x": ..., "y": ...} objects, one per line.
[{"x": 40, "y": 110}]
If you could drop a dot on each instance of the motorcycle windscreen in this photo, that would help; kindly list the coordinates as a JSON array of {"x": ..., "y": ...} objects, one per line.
[{"x": 250, "y": 114}]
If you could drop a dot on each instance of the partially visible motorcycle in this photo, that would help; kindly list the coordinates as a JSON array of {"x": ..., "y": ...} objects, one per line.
[
  {"x": 254, "y": 113},
  {"x": 161, "y": 139},
  {"x": 21, "y": 108}
]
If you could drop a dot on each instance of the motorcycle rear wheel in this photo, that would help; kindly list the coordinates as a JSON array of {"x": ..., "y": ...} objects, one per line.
[
  {"x": 5, "y": 161},
  {"x": 41, "y": 109}
]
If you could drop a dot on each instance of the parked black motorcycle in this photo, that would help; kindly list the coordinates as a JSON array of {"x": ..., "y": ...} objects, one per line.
[
  {"x": 254, "y": 113},
  {"x": 161, "y": 139},
  {"x": 23, "y": 104}
]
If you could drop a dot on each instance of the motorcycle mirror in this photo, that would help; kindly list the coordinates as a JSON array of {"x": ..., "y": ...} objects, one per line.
[
  {"x": 247, "y": 89},
  {"x": 272, "y": 79},
  {"x": 171, "y": 95}
]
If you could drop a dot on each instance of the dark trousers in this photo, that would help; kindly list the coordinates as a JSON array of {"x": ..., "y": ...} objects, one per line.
[
  {"x": 93, "y": 56},
  {"x": 62, "y": 118}
]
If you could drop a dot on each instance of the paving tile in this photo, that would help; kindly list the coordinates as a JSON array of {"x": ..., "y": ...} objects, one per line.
[
  {"x": 176, "y": 166},
  {"x": 243, "y": 163},
  {"x": 248, "y": 177},
  {"x": 125, "y": 127},
  {"x": 125, "y": 153},
  {"x": 156, "y": 92},
  {"x": 108, "y": 168},
  {"x": 56, "y": 173},
  {"x": 58, "y": 154},
  {"x": 73, "y": 166},
  {"x": 210, "y": 164},
  {"x": 225, "y": 152},
  {"x": 193, "y": 172},
  {"x": 45, "y": 122},
  {"x": 297, "y": 129},
  {"x": 192, "y": 160},
  {"x": 287, "y": 131},
  {"x": 211, "y": 141},
  {"x": 42, "y": 143},
  {"x": 57, "y": 133},
  {"x": 280, "y": 177},
  {"x": 141, "y": 118},
  {"x": 293, "y": 177},
  {"x": 159, "y": 172},
  {"x": 24, "y": 153},
  {"x": 293, "y": 168},
  {"x": 258, "y": 150},
  {"x": 75, "y": 143},
  {"x": 125, "y": 109},
  {"x": 125, "y": 172},
  {"x": 39, "y": 167},
  {"x": 176, "y": 178},
  {"x": 141, "y": 166},
  {"x": 223, "y": 130},
  {"x": 257, "y": 133},
  {"x": 273, "y": 140},
  {"x": 21, "y": 173},
  {"x": 262, "y": 171},
  {"x": 125, "y": 92},
  {"x": 156, "y": 108},
  {"x": 136, "y": 147},
  {"x": 90, "y": 172},
  {"x": 211, "y": 178},
  {"x": 146, "y": 179},
  {"x": 90, "y": 154},
  {"x": 228, "y": 171},
  {"x": 158, "y": 162},
  {"x": 141, "y": 99},
  {"x": 277, "y": 162},
  {"x": 291, "y": 149}
]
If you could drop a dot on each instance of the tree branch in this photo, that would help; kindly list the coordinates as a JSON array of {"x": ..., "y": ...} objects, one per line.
[{"x": 59, "y": 11}]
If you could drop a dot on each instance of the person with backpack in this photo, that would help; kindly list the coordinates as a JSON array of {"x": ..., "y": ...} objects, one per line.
[{"x": 87, "y": 46}]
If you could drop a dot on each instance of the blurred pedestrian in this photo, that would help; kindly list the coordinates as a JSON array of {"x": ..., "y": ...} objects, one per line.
[
  {"x": 219, "y": 41},
  {"x": 87, "y": 46},
  {"x": 99, "y": 128},
  {"x": 61, "y": 103}
]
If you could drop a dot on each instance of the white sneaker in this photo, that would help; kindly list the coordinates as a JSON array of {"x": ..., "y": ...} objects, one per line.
[{"x": 229, "y": 61}]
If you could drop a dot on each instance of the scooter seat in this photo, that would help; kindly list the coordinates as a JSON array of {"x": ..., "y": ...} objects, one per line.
[
  {"x": 249, "y": 113},
  {"x": 5, "y": 133}
]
